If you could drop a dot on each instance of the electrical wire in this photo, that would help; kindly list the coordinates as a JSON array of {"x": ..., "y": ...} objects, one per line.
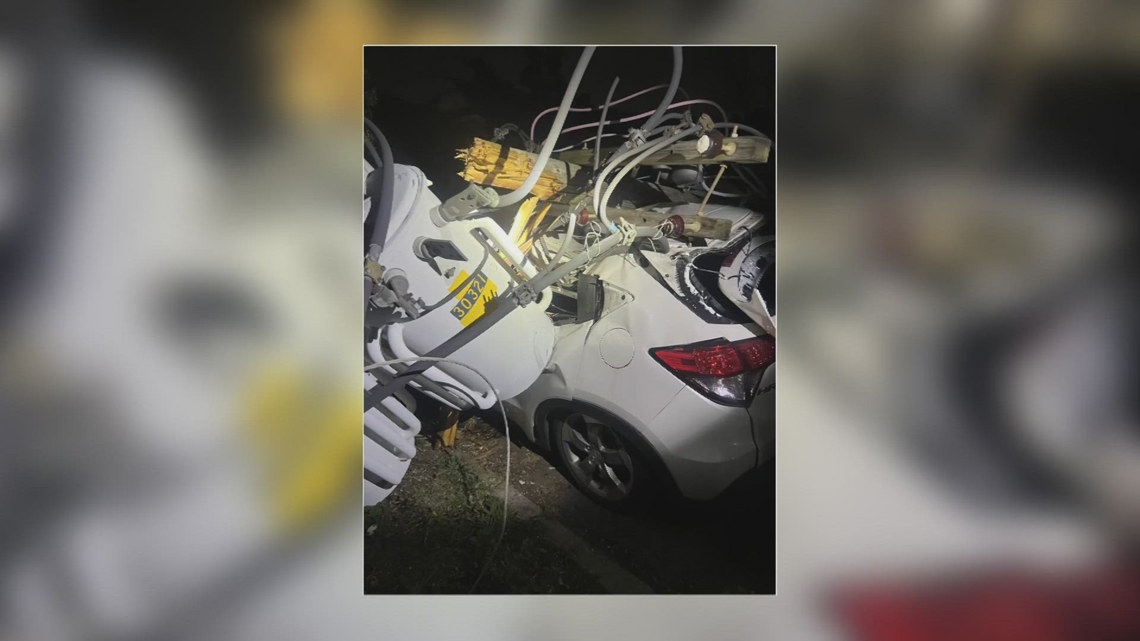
[
  {"x": 572, "y": 216},
  {"x": 586, "y": 241},
  {"x": 369, "y": 189},
  {"x": 455, "y": 389},
  {"x": 582, "y": 142},
  {"x": 599, "y": 180},
  {"x": 506, "y": 428},
  {"x": 451, "y": 294},
  {"x": 660, "y": 127},
  {"x": 536, "y": 236},
  {"x": 750, "y": 179},
  {"x": 605, "y": 110},
  {"x": 380, "y": 210},
  {"x": 502, "y": 131},
  {"x": 712, "y": 271},
  {"x": 755, "y": 249},
  {"x": 648, "y": 149},
  {"x": 374, "y": 156},
  {"x": 656, "y": 130},
  {"x": 670, "y": 92},
  {"x": 640, "y": 116},
  {"x": 523, "y": 190},
  {"x": 534, "y": 124},
  {"x": 455, "y": 291}
]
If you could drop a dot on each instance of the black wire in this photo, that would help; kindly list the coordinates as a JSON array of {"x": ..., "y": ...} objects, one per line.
[
  {"x": 458, "y": 390},
  {"x": 373, "y": 156},
  {"x": 467, "y": 281},
  {"x": 512, "y": 127},
  {"x": 656, "y": 130},
  {"x": 369, "y": 189},
  {"x": 380, "y": 212},
  {"x": 453, "y": 293},
  {"x": 552, "y": 225},
  {"x": 713, "y": 271},
  {"x": 752, "y": 181},
  {"x": 671, "y": 92}
]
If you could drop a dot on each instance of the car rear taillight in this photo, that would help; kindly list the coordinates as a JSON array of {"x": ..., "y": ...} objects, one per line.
[{"x": 726, "y": 372}]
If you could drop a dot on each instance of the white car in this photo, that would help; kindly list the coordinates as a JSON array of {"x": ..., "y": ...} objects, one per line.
[
  {"x": 639, "y": 350},
  {"x": 652, "y": 374},
  {"x": 666, "y": 386}
]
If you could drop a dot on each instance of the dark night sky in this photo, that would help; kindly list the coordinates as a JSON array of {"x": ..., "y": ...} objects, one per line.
[{"x": 430, "y": 101}]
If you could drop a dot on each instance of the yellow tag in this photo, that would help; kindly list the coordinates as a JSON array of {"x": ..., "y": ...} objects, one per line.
[{"x": 471, "y": 303}]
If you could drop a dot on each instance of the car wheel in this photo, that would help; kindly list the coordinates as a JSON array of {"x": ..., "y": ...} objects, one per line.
[{"x": 599, "y": 461}]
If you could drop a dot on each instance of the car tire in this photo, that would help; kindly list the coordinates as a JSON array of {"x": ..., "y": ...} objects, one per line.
[{"x": 599, "y": 461}]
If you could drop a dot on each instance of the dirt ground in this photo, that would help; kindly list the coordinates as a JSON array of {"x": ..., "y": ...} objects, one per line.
[{"x": 444, "y": 517}]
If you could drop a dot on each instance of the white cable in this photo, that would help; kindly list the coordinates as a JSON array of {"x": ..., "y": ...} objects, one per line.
[
  {"x": 586, "y": 242},
  {"x": 506, "y": 428},
  {"x": 583, "y": 142},
  {"x": 616, "y": 161},
  {"x": 649, "y": 148},
  {"x": 596, "y": 232},
  {"x": 523, "y": 190},
  {"x": 640, "y": 116},
  {"x": 672, "y": 91}
]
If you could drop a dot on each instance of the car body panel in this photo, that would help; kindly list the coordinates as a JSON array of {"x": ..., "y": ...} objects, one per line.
[{"x": 703, "y": 444}]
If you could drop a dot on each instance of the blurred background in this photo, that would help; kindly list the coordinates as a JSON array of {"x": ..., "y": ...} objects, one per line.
[{"x": 179, "y": 192}]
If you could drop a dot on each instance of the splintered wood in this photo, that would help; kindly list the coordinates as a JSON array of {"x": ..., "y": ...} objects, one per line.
[{"x": 489, "y": 163}]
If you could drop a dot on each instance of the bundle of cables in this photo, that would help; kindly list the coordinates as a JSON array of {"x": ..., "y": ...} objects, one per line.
[
  {"x": 653, "y": 131},
  {"x": 656, "y": 133}
]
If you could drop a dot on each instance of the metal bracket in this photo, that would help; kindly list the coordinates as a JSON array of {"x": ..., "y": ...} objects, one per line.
[
  {"x": 472, "y": 198},
  {"x": 429, "y": 249},
  {"x": 514, "y": 271}
]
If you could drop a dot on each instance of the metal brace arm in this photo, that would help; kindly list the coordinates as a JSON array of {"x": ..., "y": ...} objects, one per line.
[{"x": 507, "y": 302}]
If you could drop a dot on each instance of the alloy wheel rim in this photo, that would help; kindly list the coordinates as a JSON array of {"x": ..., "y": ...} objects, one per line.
[{"x": 597, "y": 458}]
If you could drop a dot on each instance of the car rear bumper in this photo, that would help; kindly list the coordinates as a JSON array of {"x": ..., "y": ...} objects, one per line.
[{"x": 707, "y": 446}]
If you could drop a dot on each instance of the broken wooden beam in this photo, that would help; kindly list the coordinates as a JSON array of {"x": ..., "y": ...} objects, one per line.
[
  {"x": 489, "y": 163},
  {"x": 742, "y": 149},
  {"x": 694, "y": 226}
]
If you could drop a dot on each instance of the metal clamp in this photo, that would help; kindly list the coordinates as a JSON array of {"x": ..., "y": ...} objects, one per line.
[
  {"x": 524, "y": 294},
  {"x": 627, "y": 230}
]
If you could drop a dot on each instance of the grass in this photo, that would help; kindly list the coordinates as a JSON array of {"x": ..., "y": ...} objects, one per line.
[{"x": 434, "y": 533}]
